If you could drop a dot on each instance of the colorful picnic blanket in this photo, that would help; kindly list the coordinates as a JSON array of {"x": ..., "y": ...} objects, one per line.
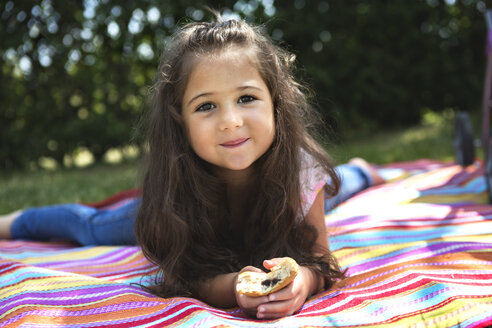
[{"x": 418, "y": 252}]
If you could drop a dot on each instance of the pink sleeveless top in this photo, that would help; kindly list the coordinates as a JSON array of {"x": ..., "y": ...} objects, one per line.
[{"x": 313, "y": 178}]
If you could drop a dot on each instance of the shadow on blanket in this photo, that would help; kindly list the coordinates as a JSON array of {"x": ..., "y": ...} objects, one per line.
[{"x": 418, "y": 252}]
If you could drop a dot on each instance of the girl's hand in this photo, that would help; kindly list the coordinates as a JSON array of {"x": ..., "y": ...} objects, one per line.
[
  {"x": 289, "y": 299},
  {"x": 249, "y": 304}
]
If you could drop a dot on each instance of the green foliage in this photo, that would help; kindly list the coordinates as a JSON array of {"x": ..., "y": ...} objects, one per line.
[
  {"x": 76, "y": 74},
  {"x": 378, "y": 63}
]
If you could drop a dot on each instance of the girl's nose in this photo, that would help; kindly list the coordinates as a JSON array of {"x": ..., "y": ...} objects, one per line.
[{"x": 230, "y": 118}]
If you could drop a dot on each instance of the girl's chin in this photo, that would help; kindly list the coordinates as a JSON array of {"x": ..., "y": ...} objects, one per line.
[{"x": 234, "y": 168}]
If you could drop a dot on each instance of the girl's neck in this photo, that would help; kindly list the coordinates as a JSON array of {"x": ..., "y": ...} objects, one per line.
[
  {"x": 239, "y": 185},
  {"x": 238, "y": 198},
  {"x": 237, "y": 180}
]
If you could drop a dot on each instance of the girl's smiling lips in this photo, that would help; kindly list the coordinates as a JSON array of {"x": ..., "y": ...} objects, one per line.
[{"x": 234, "y": 143}]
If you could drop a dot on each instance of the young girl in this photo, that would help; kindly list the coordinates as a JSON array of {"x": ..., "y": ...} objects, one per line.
[{"x": 234, "y": 180}]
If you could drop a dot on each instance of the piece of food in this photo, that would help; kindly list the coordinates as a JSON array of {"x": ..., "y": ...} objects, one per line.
[{"x": 260, "y": 283}]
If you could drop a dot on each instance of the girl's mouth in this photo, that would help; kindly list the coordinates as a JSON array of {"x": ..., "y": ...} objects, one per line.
[{"x": 234, "y": 143}]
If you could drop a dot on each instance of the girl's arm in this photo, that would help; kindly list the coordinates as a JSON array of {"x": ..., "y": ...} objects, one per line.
[
  {"x": 308, "y": 282},
  {"x": 316, "y": 218},
  {"x": 219, "y": 291}
]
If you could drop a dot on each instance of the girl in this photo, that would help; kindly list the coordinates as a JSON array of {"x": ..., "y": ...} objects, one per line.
[{"x": 234, "y": 181}]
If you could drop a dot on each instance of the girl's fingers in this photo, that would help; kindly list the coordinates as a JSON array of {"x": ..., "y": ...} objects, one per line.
[
  {"x": 272, "y": 262},
  {"x": 250, "y": 302},
  {"x": 278, "y": 309},
  {"x": 283, "y": 294},
  {"x": 251, "y": 268},
  {"x": 285, "y": 301}
]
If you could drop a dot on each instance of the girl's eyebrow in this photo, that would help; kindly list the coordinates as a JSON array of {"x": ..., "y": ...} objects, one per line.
[
  {"x": 248, "y": 87},
  {"x": 198, "y": 96}
]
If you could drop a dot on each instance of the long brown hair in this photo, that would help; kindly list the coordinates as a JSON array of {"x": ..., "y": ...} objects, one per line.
[{"x": 183, "y": 225}]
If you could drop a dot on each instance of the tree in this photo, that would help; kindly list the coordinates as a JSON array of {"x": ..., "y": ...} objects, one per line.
[{"x": 77, "y": 74}]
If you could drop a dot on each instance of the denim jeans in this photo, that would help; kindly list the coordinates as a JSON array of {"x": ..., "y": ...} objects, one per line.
[
  {"x": 79, "y": 223},
  {"x": 353, "y": 180},
  {"x": 89, "y": 226}
]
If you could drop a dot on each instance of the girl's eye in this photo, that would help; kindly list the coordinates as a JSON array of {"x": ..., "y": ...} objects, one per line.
[
  {"x": 246, "y": 99},
  {"x": 205, "y": 107}
]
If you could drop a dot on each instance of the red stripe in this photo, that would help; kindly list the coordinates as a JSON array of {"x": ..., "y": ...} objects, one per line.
[{"x": 132, "y": 193}]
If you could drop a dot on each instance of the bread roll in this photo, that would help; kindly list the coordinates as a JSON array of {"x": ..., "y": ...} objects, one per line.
[{"x": 260, "y": 283}]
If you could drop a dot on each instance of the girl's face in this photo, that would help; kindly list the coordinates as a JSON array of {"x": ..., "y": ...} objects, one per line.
[{"x": 228, "y": 111}]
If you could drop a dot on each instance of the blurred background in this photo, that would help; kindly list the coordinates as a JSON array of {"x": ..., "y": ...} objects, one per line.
[{"x": 75, "y": 75}]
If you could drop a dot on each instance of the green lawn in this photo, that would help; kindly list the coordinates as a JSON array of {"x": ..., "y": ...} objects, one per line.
[
  {"x": 433, "y": 138},
  {"x": 41, "y": 187},
  {"x": 430, "y": 139}
]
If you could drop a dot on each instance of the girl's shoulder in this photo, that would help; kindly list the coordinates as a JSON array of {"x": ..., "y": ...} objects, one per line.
[{"x": 312, "y": 179}]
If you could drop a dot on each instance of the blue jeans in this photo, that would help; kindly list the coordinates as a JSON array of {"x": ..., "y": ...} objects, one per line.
[
  {"x": 79, "y": 223},
  {"x": 89, "y": 226},
  {"x": 353, "y": 180}
]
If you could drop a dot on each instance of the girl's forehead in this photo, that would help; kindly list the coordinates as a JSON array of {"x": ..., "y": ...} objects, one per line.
[
  {"x": 229, "y": 66},
  {"x": 208, "y": 66},
  {"x": 221, "y": 73},
  {"x": 233, "y": 54}
]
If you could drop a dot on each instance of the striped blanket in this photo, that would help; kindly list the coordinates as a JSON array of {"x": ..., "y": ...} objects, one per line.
[{"x": 418, "y": 252}]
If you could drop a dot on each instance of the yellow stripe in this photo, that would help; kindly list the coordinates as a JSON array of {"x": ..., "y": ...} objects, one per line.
[
  {"x": 446, "y": 315},
  {"x": 82, "y": 254},
  {"x": 51, "y": 284},
  {"x": 347, "y": 256},
  {"x": 64, "y": 306},
  {"x": 481, "y": 198}
]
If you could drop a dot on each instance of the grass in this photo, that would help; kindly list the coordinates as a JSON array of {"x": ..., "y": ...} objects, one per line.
[
  {"x": 433, "y": 138},
  {"x": 43, "y": 187}
]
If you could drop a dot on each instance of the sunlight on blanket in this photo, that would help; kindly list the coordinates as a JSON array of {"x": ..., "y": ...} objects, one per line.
[{"x": 418, "y": 251}]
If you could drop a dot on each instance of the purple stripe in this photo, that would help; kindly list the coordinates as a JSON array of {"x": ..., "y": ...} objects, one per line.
[
  {"x": 100, "y": 259},
  {"x": 481, "y": 323},
  {"x": 107, "y": 275},
  {"x": 135, "y": 272},
  {"x": 81, "y": 296},
  {"x": 433, "y": 249},
  {"x": 416, "y": 265},
  {"x": 90, "y": 266},
  {"x": 19, "y": 277},
  {"x": 23, "y": 245},
  {"x": 349, "y": 220},
  {"x": 434, "y": 215},
  {"x": 404, "y": 220},
  {"x": 423, "y": 224},
  {"x": 80, "y": 313}
]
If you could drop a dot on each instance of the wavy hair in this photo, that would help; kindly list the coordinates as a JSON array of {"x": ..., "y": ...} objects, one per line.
[{"x": 183, "y": 225}]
